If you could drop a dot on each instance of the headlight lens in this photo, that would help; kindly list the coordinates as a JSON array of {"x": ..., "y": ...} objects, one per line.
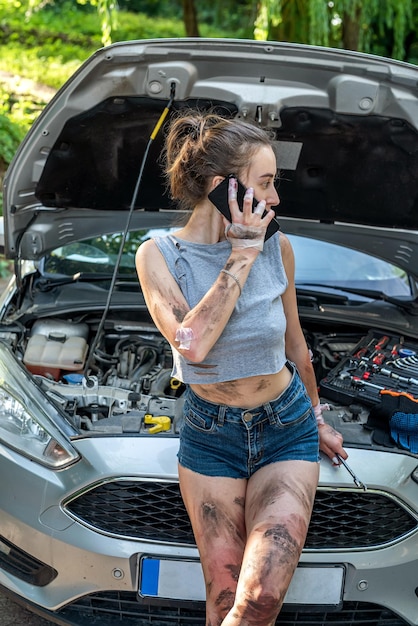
[
  {"x": 415, "y": 475},
  {"x": 24, "y": 423}
]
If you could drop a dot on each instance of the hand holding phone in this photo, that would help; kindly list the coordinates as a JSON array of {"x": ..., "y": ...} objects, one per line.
[{"x": 219, "y": 197}]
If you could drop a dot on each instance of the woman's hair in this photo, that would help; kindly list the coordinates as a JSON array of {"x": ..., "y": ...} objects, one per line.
[{"x": 202, "y": 145}]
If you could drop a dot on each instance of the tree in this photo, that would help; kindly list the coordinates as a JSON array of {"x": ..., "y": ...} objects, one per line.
[
  {"x": 350, "y": 24},
  {"x": 384, "y": 27},
  {"x": 190, "y": 18}
]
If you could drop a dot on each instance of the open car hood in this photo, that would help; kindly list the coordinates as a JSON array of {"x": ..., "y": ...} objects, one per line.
[{"x": 346, "y": 128}]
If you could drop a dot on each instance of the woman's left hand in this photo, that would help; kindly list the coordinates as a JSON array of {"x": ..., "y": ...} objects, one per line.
[{"x": 331, "y": 443}]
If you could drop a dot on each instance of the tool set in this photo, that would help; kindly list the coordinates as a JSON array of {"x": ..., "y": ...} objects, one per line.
[{"x": 378, "y": 362}]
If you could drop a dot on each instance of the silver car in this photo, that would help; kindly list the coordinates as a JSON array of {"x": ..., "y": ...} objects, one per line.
[{"x": 92, "y": 525}]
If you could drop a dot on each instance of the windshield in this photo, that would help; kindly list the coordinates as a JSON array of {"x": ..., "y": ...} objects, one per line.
[
  {"x": 318, "y": 263},
  {"x": 328, "y": 264},
  {"x": 98, "y": 255}
]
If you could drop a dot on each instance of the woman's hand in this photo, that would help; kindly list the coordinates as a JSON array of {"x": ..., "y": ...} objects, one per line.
[
  {"x": 248, "y": 227},
  {"x": 331, "y": 443}
]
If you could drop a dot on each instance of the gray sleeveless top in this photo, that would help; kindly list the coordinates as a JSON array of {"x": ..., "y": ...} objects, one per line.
[{"x": 252, "y": 342}]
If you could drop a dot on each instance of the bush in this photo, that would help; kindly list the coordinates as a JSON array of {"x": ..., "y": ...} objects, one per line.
[{"x": 11, "y": 135}]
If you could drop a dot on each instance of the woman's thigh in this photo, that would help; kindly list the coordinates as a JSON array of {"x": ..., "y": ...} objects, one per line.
[
  {"x": 216, "y": 507},
  {"x": 279, "y": 501},
  {"x": 279, "y": 489}
]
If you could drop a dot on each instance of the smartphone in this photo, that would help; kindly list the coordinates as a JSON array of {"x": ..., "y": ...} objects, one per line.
[{"x": 219, "y": 197}]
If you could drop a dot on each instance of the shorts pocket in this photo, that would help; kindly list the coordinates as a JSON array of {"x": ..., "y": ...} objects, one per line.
[
  {"x": 200, "y": 421},
  {"x": 296, "y": 411}
]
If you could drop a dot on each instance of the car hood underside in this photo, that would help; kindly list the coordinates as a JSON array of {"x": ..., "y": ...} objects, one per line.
[{"x": 344, "y": 124}]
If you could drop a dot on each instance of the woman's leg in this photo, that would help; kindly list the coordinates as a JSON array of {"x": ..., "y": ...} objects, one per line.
[
  {"x": 216, "y": 507},
  {"x": 250, "y": 535},
  {"x": 278, "y": 507}
]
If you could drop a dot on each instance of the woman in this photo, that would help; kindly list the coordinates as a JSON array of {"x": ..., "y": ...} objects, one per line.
[{"x": 225, "y": 300}]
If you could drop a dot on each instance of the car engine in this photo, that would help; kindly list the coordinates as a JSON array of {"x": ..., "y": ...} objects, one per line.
[{"x": 117, "y": 380}]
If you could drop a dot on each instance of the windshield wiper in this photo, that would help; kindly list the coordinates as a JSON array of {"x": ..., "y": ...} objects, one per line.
[
  {"x": 406, "y": 303},
  {"x": 45, "y": 284}
]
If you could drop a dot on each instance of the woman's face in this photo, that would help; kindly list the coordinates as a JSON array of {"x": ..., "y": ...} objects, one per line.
[{"x": 261, "y": 175}]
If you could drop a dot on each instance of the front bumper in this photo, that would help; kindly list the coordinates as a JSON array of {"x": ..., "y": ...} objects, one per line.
[{"x": 98, "y": 574}]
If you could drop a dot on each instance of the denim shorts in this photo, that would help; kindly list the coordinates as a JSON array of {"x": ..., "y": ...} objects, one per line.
[{"x": 219, "y": 440}]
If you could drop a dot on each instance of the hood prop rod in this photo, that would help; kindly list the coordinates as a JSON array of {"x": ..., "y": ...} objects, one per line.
[{"x": 153, "y": 135}]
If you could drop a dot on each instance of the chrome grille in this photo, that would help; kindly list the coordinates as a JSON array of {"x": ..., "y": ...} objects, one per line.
[
  {"x": 112, "y": 608},
  {"x": 154, "y": 511}
]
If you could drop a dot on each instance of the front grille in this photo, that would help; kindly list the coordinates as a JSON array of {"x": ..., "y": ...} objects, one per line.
[
  {"x": 122, "y": 607},
  {"x": 154, "y": 511}
]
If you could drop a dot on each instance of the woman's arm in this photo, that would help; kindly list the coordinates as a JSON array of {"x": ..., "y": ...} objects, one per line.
[
  {"x": 195, "y": 331},
  {"x": 192, "y": 331}
]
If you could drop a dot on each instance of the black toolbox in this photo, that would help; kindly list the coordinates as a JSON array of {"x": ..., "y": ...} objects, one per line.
[{"x": 377, "y": 362}]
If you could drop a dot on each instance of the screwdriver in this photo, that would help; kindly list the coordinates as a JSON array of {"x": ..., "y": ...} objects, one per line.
[{"x": 358, "y": 483}]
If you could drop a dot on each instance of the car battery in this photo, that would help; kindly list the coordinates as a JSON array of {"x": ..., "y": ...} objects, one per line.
[
  {"x": 56, "y": 346},
  {"x": 377, "y": 362}
]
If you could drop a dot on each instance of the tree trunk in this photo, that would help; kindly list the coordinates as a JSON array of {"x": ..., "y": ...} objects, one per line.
[
  {"x": 351, "y": 30},
  {"x": 190, "y": 18}
]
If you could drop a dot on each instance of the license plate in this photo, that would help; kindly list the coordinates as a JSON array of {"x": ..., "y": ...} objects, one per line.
[{"x": 174, "y": 579}]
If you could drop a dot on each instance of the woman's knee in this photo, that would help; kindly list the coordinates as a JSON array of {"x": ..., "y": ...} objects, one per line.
[
  {"x": 273, "y": 552},
  {"x": 277, "y": 544}
]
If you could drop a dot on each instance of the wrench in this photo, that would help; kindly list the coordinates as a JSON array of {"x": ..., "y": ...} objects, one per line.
[{"x": 358, "y": 483}]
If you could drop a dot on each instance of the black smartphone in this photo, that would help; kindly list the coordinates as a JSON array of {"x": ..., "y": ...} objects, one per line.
[{"x": 219, "y": 197}]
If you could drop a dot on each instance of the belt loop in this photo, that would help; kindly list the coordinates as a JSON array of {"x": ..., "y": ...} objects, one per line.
[
  {"x": 270, "y": 413},
  {"x": 221, "y": 414},
  {"x": 290, "y": 366}
]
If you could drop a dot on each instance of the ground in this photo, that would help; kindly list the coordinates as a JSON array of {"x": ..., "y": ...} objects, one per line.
[
  {"x": 11, "y": 614},
  {"x": 26, "y": 87}
]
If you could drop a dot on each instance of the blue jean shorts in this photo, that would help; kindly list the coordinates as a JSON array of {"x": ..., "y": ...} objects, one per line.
[{"x": 219, "y": 440}]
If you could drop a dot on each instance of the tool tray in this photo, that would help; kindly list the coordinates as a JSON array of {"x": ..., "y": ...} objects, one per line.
[{"x": 377, "y": 362}]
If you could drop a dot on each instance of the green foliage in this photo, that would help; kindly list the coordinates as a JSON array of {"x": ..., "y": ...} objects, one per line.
[
  {"x": 50, "y": 44},
  {"x": 133, "y": 26},
  {"x": 107, "y": 11},
  {"x": 12, "y": 131},
  {"x": 376, "y": 26},
  {"x": 319, "y": 22},
  {"x": 379, "y": 17},
  {"x": 47, "y": 46},
  {"x": 5, "y": 268},
  {"x": 47, "y": 41},
  {"x": 304, "y": 21},
  {"x": 10, "y": 137},
  {"x": 13, "y": 124},
  {"x": 40, "y": 64},
  {"x": 153, "y": 8}
]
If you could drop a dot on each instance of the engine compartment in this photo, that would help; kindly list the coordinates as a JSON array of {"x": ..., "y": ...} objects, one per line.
[
  {"x": 116, "y": 379},
  {"x": 113, "y": 381},
  {"x": 119, "y": 380}
]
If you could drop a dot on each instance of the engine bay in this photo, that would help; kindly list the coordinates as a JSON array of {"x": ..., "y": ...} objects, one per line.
[{"x": 117, "y": 379}]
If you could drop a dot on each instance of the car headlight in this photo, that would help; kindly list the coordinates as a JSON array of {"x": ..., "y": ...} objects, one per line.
[
  {"x": 25, "y": 424},
  {"x": 415, "y": 475}
]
